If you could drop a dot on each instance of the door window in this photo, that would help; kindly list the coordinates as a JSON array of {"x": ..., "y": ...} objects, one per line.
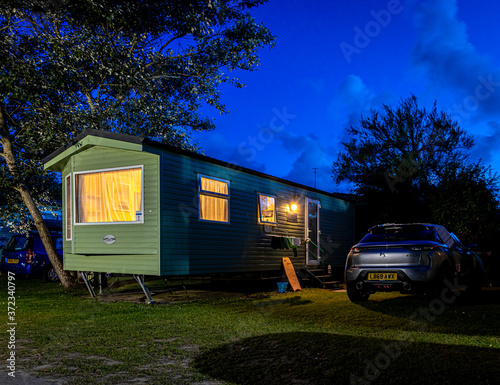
[{"x": 313, "y": 231}]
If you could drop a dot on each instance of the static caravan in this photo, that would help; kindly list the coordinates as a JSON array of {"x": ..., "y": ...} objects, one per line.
[{"x": 135, "y": 206}]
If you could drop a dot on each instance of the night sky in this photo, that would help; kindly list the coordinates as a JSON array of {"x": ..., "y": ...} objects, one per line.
[{"x": 336, "y": 60}]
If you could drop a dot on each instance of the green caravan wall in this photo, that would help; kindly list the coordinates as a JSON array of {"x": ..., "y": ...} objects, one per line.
[
  {"x": 136, "y": 250},
  {"x": 190, "y": 246}
]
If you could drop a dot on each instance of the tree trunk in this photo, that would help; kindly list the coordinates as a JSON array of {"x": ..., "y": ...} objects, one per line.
[
  {"x": 66, "y": 279},
  {"x": 8, "y": 154}
]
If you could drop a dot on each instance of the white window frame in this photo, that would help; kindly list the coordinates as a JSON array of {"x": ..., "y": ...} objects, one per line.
[
  {"x": 216, "y": 195},
  {"x": 105, "y": 170},
  {"x": 261, "y": 222},
  {"x": 68, "y": 194}
]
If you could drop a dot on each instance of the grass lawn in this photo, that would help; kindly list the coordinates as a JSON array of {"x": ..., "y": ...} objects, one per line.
[{"x": 198, "y": 337}]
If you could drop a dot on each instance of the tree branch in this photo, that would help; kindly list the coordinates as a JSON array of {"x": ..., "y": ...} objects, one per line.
[
  {"x": 34, "y": 24},
  {"x": 168, "y": 43},
  {"x": 10, "y": 25},
  {"x": 90, "y": 101}
]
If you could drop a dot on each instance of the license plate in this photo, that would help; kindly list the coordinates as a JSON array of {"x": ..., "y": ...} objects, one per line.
[
  {"x": 12, "y": 260},
  {"x": 382, "y": 276}
]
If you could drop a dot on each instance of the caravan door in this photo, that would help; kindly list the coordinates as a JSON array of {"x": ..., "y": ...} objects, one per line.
[{"x": 312, "y": 231}]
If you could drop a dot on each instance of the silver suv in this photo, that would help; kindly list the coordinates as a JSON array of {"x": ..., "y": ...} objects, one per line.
[{"x": 410, "y": 258}]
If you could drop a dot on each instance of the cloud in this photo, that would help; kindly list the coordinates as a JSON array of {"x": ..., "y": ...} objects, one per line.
[
  {"x": 319, "y": 149},
  {"x": 487, "y": 145},
  {"x": 240, "y": 160},
  {"x": 444, "y": 51},
  {"x": 311, "y": 151},
  {"x": 304, "y": 151},
  {"x": 351, "y": 100},
  {"x": 354, "y": 98},
  {"x": 217, "y": 145},
  {"x": 355, "y": 93},
  {"x": 295, "y": 143},
  {"x": 443, "y": 45},
  {"x": 314, "y": 155},
  {"x": 452, "y": 63}
]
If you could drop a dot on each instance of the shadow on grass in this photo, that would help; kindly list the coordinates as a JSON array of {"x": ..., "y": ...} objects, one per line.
[
  {"x": 321, "y": 358},
  {"x": 486, "y": 297},
  {"x": 290, "y": 301},
  {"x": 465, "y": 315}
]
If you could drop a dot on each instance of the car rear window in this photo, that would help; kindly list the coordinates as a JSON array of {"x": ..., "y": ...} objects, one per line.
[
  {"x": 3, "y": 241},
  {"x": 401, "y": 233},
  {"x": 58, "y": 242},
  {"x": 40, "y": 248},
  {"x": 18, "y": 243}
]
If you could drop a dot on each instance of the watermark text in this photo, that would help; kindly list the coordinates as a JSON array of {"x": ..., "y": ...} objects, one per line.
[{"x": 11, "y": 324}]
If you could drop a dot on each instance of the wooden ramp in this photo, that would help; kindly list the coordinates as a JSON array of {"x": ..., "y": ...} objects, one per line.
[{"x": 290, "y": 274}]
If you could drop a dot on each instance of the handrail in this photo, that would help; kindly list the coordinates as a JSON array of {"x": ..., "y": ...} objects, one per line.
[{"x": 319, "y": 258}]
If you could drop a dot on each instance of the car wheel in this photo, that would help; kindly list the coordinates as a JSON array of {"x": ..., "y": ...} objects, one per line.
[
  {"x": 438, "y": 285},
  {"x": 50, "y": 274},
  {"x": 475, "y": 284},
  {"x": 356, "y": 295}
]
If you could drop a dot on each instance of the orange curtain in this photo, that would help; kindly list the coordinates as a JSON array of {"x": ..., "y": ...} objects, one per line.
[
  {"x": 109, "y": 196},
  {"x": 214, "y": 208},
  {"x": 215, "y": 186}
]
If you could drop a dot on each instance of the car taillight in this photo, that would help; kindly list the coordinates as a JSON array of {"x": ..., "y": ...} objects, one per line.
[
  {"x": 356, "y": 249},
  {"x": 30, "y": 258},
  {"x": 425, "y": 259}
]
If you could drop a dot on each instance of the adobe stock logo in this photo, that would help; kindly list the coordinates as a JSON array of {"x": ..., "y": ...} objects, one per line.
[{"x": 372, "y": 29}]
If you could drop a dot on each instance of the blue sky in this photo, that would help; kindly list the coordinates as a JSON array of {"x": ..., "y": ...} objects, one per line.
[{"x": 336, "y": 60}]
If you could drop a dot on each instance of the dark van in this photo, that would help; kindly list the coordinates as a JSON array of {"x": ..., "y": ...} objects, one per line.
[{"x": 25, "y": 255}]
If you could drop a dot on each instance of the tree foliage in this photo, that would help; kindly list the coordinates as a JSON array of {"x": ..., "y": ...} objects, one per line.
[
  {"x": 465, "y": 200},
  {"x": 139, "y": 67},
  {"x": 407, "y": 165},
  {"x": 134, "y": 66}
]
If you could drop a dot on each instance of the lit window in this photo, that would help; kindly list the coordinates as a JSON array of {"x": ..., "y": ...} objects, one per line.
[
  {"x": 68, "y": 207},
  {"x": 267, "y": 209},
  {"x": 109, "y": 196},
  {"x": 214, "y": 199}
]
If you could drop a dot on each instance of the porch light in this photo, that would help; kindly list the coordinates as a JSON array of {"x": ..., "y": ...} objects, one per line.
[{"x": 293, "y": 203}]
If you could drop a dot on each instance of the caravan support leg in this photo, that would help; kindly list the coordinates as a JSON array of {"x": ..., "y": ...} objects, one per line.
[
  {"x": 85, "y": 276},
  {"x": 140, "y": 281}
]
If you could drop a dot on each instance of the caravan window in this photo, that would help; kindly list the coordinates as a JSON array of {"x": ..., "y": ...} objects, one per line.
[
  {"x": 267, "y": 209},
  {"x": 67, "y": 194},
  {"x": 109, "y": 196},
  {"x": 214, "y": 199}
]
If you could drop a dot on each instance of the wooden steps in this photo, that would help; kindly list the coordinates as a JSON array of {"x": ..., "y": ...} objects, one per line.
[{"x": 317, "y": 277}]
